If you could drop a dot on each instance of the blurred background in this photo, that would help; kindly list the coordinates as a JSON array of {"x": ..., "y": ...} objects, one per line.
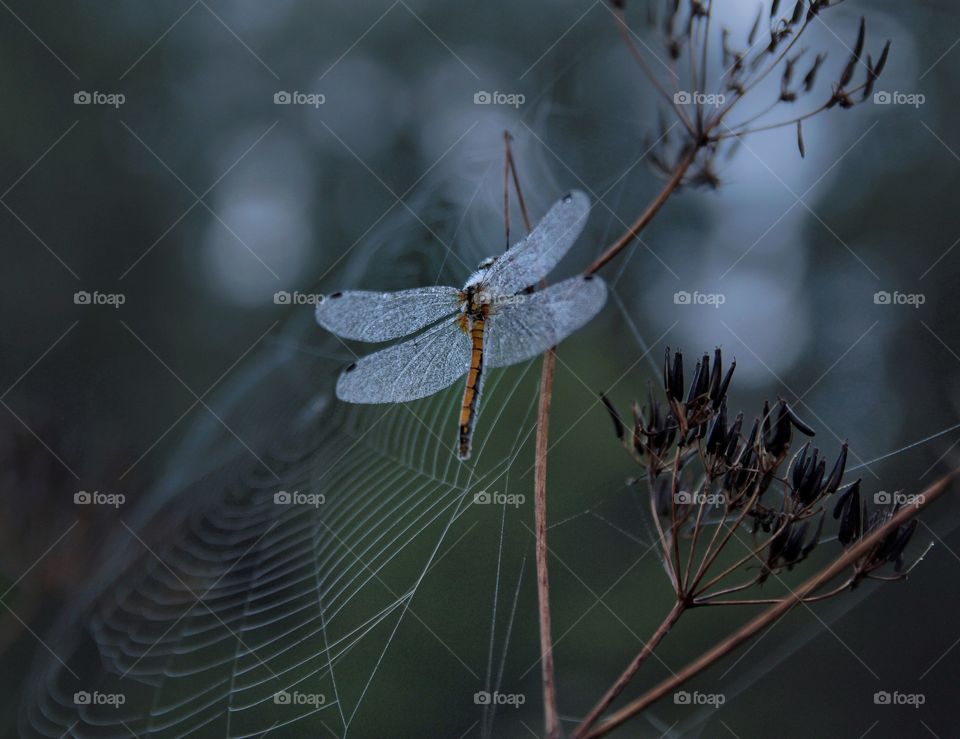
[{"x": 180, "y": 181}]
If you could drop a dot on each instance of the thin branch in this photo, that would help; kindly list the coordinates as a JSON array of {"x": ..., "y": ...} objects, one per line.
[
  {"x": 551, "y": 718},
  {"x": 631, "y": 669},
  {"x": 647, "y": 216}
]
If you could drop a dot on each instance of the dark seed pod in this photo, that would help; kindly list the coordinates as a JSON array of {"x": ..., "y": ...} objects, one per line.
[
  {"x": 618, "y": 425},
  {"x": 837, "y": 474},
  {"x": 802, "y": 427},
  {"x": 797, "y": 13},
  {"x": 800, "y": 144},
  {"x": 882, "y": 61},
  {"x": 848, "y": 510}
]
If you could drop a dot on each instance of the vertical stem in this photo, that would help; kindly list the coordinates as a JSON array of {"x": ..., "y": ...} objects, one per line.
[{"x": 551, "y": 719}]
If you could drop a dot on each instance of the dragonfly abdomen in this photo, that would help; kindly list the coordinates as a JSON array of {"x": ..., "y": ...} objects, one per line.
[{"x": 471, "y": 393}]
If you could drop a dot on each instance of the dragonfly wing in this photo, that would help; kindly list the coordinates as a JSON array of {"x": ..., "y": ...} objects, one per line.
[
  {"x": 412, "y": 369},
  {"x": 364, "y": 315},
  {"x": 536, "y": 255},
  {"x": 522, "y": 330}
]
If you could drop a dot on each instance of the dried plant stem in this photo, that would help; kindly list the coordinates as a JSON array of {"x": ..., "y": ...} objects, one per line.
[
  {"x": 551, "y": 718},
  {"x": 772, "y": 614},
  {"x": 672, "y": 184},
  {"x": 621, "y": 682}
]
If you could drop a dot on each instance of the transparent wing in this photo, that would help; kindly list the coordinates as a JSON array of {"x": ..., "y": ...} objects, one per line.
[
  {"x": 364, "y": 315},
  {"x": 522, "y": 330},
  {"x": 413, "y": 369},
  {"x": 533, "y": 258}
]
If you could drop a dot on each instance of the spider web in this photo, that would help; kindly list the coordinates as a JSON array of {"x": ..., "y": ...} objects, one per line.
[{"x": 397, "y": 597}]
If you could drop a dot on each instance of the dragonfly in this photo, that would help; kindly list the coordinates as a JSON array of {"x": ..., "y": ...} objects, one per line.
[{"x": 495, "y": 320}]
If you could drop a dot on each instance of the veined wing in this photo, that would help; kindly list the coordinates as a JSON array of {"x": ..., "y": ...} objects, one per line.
[
  {"x": 536, "y": 255},
  {"x": 522, "y": 330},
  {"x": 412, "y": 369},
  {"x": 365, "y": 315}
]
